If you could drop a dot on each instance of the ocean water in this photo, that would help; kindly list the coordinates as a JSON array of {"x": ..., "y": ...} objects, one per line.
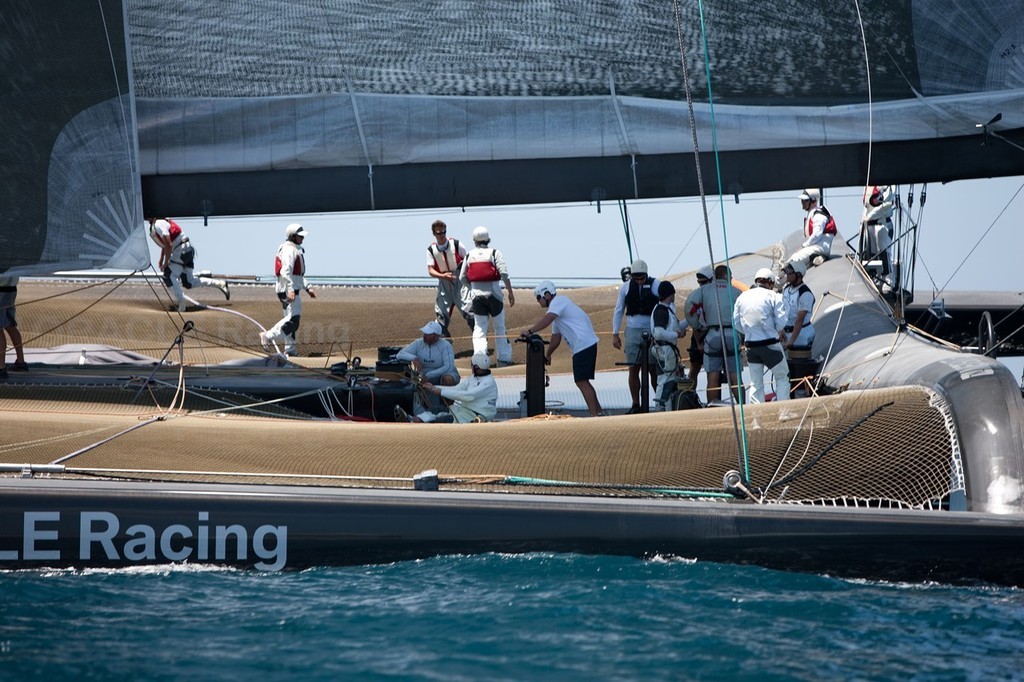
[{"x": 502, "y": 617}]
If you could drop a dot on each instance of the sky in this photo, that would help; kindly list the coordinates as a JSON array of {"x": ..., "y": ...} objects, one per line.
[{"x": 971, "y": 235}]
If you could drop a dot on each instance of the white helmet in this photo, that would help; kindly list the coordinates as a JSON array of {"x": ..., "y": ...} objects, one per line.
[
  {"x": 638, "y": 267},
  {"x": 706, "y": 272},
  {"x": 764, "y": 273},
  {"x": 544, "y": 287},
  {"x": 295, "y": 230},
  {"x": 480, "y": 361},
  {"x": 810, "y": 195},
  {"x": 480, "y": 234}
]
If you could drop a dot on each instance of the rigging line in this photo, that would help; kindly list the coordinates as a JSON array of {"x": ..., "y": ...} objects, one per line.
[
  {"x": 739, "y": 428},
  {"x": 117, "y": 85},
  {"x": 97, "y": 444},
  {"x": 867, "y": 74},
  {"x": 82, "y": 311},
  {"x": 853, "y": 268},
  {"x": 232, "y": 407},
  {"x": 980, "y": 239},
  {"x": 630, "y": 238}
]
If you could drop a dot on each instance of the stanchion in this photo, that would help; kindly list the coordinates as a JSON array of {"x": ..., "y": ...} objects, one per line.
[{"x": 535, "y": 379}]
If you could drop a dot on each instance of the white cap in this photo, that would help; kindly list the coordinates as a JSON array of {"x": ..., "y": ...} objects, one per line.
[
  {"x": 797, "y": 267},
  {"x": 432, "y": 327},
  {"x": 480, "y": 234},
  {"x": 544, "y": 287},
  {"x": 638, "y": 267},
  {"x": 810, "y": 195},
  {"x": 707, "y": 272},
  {"x": 295, "y": 230},
  {"x": 481, "y": 361},
  {"x": 764, "y": 273}
]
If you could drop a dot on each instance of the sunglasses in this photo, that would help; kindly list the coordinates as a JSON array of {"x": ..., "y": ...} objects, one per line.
[{"x": 439, "y": 233}]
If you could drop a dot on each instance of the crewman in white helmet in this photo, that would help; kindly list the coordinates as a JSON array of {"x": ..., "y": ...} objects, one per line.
[
  {"x": 697, "y": 334},
  {"x": 483, "y": 272},
  {"x": 290, "y": 268},
  {"x": 567, "y": 320},
  {"x": 759, "y": 316},
  {"x": 177, "y": 262},
  {"x": 819, "y": 229},
  {"x": 636, "y": 301},
  {"x": 476, "y": 398}
]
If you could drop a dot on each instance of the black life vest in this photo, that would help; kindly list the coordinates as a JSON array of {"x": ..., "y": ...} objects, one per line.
[{"x": 640, "y": 300}]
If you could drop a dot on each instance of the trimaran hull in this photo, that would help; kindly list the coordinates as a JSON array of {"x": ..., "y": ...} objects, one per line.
[{"x": 84, "y": 524}]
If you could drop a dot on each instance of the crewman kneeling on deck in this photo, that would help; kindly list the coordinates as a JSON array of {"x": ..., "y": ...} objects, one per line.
[{"x": 476, "y": 398}]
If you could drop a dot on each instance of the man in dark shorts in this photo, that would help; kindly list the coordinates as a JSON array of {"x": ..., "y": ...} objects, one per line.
[{"x": 569, "y": 321}]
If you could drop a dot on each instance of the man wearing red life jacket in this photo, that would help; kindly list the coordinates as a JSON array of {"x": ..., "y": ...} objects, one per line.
[
  {"x": 290, "y": 268},
  {"x": 444, "y": 260},
  {"x": 482, "y": 274},
  {"x": 177, "y": 262},
  {"x": 819, "y": 229},
  {"x": 876, "y": 228}
]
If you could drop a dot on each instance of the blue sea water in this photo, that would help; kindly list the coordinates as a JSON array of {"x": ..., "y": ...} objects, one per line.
[{"x": 502, "y": 617}]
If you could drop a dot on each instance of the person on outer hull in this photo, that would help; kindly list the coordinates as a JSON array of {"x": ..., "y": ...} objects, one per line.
[
  {"x": 177, "y": 262},
  {"x": 567, "y": 320},
  {"x": 290, "y": 268},
  {"x": 475, "y": 398},
  {"x": 483, "y": 273},
  {"x": 798, "y": 303},
  {"x": 877, "y": 228},
  {"x": 635, "y": 302},
  {"x": 444, "y": 260},
  {"x": 819, "y": 228},
  {"x": 759, "y": 316}
]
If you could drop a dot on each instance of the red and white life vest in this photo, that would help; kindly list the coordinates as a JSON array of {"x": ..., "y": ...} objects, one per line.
[
  {"x": 481, "y": 266},
  {"x": 443, "y": 259},
  {"x": 830, "y": 222},
  {"x": 297, "y": 257}
]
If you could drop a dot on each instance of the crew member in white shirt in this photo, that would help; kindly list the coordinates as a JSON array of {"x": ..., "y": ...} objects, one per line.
[{"x": 567, "y": 320}]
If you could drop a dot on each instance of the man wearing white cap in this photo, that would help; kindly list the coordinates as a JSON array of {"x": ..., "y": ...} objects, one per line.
[
  {"x": 483, "y": 272},
  {"x": 636, "y": 302},
  {"x": 290, "y": 268},
  {"x": 760, "y": 317},
  {"x": 432, "y": 356},
  {"x": 567, "y": 320},
  {"x": 476, "y": 398},
  {"x": 177, "y": 262},
  {"x": 819, "y": 229}
]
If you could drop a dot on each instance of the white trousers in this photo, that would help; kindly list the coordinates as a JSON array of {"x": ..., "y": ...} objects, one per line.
[
  {"x": 277, "y": 332},
  {"x": 780, "y": 375},
  {"x": 503, "y": 348}
]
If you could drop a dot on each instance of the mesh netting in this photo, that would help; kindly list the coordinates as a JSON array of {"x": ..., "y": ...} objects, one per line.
[{"x": 872, "y": 448}]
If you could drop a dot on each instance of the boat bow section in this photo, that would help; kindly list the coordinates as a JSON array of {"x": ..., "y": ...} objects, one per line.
[{"x": 866, "y": 347}]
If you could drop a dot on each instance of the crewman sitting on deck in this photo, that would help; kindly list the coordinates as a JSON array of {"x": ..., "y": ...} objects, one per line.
[{"x": 476, "y": 398}]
